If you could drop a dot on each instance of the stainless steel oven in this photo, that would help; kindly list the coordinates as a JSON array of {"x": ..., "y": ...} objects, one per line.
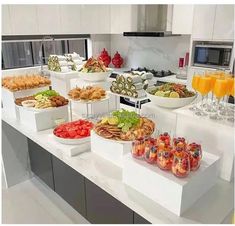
[{"x": 213, "y": 55}]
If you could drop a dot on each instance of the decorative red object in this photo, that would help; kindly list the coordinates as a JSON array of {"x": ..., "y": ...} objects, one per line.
[
  {"x": 104, "y": 56},
  {"x": 117, "y": 60}
]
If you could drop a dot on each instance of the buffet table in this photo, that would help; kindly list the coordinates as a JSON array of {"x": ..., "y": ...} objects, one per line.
[{"x": 212, "y": 207}]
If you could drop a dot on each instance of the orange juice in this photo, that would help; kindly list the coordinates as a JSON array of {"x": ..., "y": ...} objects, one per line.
[
  {"x": 213, "y": 79},
  {"x": 204, "y": 85},
  {"x": 230, "y": 85},
  {"x": 220, "y": 88},
  {"x": 195, "y": 82}
]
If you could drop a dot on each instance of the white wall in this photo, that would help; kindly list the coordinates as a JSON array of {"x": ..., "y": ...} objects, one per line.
[{"x": 151, "y": 52}]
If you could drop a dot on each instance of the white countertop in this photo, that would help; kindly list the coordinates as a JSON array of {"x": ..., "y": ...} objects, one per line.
[{"x": 213, "y": 207}]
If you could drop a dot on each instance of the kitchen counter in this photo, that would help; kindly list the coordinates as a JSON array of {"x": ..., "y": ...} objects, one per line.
[{"x": 213, "y": 207}]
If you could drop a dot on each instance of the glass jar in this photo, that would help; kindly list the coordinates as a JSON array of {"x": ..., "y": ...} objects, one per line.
[
  {"x": 164, "y": 138},
  {"x": 164, "y": 156},
  {"x": 150, "y": 154},
  {"x": 195, "y": 155},
  {"x": 181, "y": 163},
  {"x": 179, "y": 142},
  {"x": 138, "y": 148}
]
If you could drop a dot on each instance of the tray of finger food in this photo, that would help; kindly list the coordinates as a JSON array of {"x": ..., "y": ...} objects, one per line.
[
  {"x": 94, "y": 70},
  {"x": 42, "y": 101},
  {"x": 88, "y": 94},
  {"x": 24, "y": 82},
  {"x": 124, "y": 125}
]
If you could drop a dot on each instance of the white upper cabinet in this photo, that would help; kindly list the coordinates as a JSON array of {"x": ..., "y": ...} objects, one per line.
[
  {"x": 123, "y": 18},
  {"x": 6, "y": 23},
  {"x": 95, "y": 19},
  {"x": 48, "y": 19},
  {"x": 203, "y": 22},
  {"x": 224, "y": 23},
  {"x": 182, "y": 19},
  {"x": 70, "y": 19},
  {"x": 23, "y": 19}
]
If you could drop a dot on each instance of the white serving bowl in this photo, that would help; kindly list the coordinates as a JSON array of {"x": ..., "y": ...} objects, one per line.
[
  {"x": 71, "y": 141},
  {"x": 168, "y": 102},
  {"x": 95, "y": 76}
]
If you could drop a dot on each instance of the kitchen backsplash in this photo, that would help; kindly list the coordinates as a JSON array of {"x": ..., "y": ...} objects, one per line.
[{"x": 152, "y": 52}]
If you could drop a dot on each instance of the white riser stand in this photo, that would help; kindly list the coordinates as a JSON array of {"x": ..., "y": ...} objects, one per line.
[
  {"x": 175, "y": 194},
  {"x": 42, "y": 120},
  {"x": 8, "y": 98},
  {"x": 110, "y": 150}
]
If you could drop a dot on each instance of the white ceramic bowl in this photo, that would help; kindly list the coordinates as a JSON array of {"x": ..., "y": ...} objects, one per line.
[
  {"x": 71, "y": 141},
  {"x": 168, "y": 102},
  {"x": 95, "y": 76}
]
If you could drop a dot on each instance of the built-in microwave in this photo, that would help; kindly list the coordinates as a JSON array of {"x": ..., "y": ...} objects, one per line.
[{"x": 212, "y": 55}]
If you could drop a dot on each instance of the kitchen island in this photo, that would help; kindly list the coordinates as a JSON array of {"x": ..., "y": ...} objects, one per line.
[{"x": 94, "y": 186}]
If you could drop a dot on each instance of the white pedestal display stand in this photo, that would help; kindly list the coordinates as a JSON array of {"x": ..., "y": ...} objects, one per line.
[
  {"x": 215, "y": 137},
  {"x": 8, "y": 99},
  {"x": 110, "y": 150},
  {"x": 175, "y": 194},
  {"x": 61, "y": 82},
  {"x": 42, "y": 119},
  {"x": 95, "y": 108}
]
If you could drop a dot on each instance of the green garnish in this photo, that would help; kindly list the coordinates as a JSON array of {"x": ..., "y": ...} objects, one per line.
[
  {"x": 47, "y": 93},
  {"x": 126, "y": 119}
]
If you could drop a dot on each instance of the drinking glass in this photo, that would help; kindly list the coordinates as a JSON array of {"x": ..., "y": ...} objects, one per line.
[
  {"x": 204, "y": 87},
  {"x": 195, "y": 82},
  {"x": 230, "y": 81},
  {"x": 181, "y": 164},
  {"x": 219, "y": 91},
  {"x": 210, "y": 105},
  {"x": 232, "y": 93}
]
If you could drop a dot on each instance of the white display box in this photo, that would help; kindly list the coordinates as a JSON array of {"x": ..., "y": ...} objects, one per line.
[
  {"x": 174, "y": 194},
  {"x": 8, "y": 99},
  {"x": 61, "y": 82},
  {"x": 43, "y": 119},
  {"x": 216, "y": 137},
  {"x": 70, "y": 150},
  {"x": 113, "y": 151}
]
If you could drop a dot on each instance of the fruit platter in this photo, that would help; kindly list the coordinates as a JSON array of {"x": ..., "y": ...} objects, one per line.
[
  {"x": 87, "y": 94},
  {"x": 171, "y": 95},
  {"x": 94, "y": 70},
  {"x": 174, "y": 155},
  {"x": 123, "y": 125},
  {"x": 76, "y": 132},
  {"x": 44, "y": 100}
]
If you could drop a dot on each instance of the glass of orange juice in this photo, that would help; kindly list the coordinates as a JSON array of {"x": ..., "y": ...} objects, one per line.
[
  {"x": 195, "y": 82},
  {"x": 230, "y": 84},
  {"x": 204, "y": 87},
  {"x": 219, "y": 90},
  {"x": 231, "y": 112}
]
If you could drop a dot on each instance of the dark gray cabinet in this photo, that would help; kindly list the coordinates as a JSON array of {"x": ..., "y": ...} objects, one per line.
[
  {"x": 102, "y": 208},
  {"x": 41, "y": 163},
  {"x": 70, "y": 185},
  {"x": 140, "y": 220}
]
